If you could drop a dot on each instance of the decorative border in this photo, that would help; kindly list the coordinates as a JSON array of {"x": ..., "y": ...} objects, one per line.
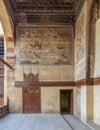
[
  {"x": 45, "y": 83},
  {"x": 91, "y": 81},
  {"x": 96, "y": 81},
  {"x": 79, "y": 83}
]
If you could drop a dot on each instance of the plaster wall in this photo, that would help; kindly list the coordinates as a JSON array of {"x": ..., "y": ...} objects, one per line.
[
  {"x": 78, "y": 102},
  {"x": 15, "y": 99},
  {"x": 80, "y": 44},
  {"x": 97, "y": 104},
  {"x": 97, "y": 49},
  {"x": 50, "y": 99},
  {"x": 46, "y": 73},
  {"x": 25, "y": 63},
  {"x": 83, "y": 104},
  {"x": 14, "y": 93},
  {"x": 89, "y": 103},
  {"x": 52, "y": 65}
]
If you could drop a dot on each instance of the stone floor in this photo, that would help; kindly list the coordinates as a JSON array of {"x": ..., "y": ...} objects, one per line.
[
  {"x": 75, "y": 123},
  {"x": 94, "y": 126},
  {"x": 41, "y": 122}
]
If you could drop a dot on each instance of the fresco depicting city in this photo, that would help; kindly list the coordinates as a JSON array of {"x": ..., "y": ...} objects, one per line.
[{"x": 45, "y": 45}]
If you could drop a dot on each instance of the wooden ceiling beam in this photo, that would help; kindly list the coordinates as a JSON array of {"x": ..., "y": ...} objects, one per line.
[{"x": 6, "y": 63}]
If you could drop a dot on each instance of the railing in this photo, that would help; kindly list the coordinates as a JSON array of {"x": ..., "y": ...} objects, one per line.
[{"x": 4, "y": 111}]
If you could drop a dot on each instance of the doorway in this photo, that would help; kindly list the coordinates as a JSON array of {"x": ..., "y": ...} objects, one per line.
[
  {"x": 66, "y": 101},
  {"x": 31, "y": 99}
]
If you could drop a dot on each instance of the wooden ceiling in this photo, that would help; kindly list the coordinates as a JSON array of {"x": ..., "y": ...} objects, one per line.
[
  {"x": 22, "y": 8},
  {"x": 43, "y": 6}
]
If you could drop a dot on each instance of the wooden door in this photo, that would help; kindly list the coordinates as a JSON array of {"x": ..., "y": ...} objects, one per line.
[{"x": 31, "y": 99}]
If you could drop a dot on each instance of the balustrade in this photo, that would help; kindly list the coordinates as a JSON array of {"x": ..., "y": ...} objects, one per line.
[{"x": 4, "y": 111}]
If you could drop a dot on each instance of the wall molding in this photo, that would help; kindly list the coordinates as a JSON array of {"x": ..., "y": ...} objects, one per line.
[
  {"x": 44, "y": 83},
  {"x": 79, "y": 83},
  {"x": 84, "y": 82},
  {"x": 90, "y": 81},
  {"x": 96, "y": 81}
]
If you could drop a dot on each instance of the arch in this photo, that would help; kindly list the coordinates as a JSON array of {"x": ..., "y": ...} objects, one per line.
[
  {"x": 5, "y": 20},
  {"x": 8, "y": 29}
]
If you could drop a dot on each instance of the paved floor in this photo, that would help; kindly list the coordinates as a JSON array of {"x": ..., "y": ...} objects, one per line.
[
  {"x": 75, "y": 123},
  {"x": 94, "y": 126},
  {"x": 41, "y": 122}
]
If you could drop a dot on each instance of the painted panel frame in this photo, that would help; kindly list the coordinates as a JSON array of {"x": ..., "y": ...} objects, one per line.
[{"x": 46, "y": 45}]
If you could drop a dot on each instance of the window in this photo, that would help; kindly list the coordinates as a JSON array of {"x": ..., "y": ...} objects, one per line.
[
  {"x": 1, "y": 46},
  {"x": 1, "y": 95}
]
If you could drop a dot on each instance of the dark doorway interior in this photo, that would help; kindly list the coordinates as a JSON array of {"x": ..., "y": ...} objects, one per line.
[{"x": 66, "y": 101}]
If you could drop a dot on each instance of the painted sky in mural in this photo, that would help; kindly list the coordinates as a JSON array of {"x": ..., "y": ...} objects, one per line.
[{"x": 45, "y": 45}]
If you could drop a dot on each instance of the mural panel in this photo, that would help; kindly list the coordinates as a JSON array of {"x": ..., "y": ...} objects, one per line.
[
  {"x": 46, "y": 45},
  {"x": 80, "y": 40},
  {"x": 80, "y": 70}
]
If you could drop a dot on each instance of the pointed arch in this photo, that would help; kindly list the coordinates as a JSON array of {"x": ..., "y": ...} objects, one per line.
[{"x": 8, "y": 29}]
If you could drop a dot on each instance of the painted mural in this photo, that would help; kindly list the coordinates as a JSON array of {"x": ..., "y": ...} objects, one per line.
[
  {"x": 80, "y": 40},
  {"x": 80, "y": 70},
  {"x": 80, "y": 45},
  {"x": 45, "y": 45}
]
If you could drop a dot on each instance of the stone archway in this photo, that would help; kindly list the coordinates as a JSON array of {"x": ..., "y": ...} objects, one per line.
[{"x": 8, "y": 29}]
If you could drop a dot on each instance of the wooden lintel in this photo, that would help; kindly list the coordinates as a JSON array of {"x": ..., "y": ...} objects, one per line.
[
  {"x": 46, "y": 83},
  {"x": 6, "y": 63},
  {"x": 79, "y": 83}
]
